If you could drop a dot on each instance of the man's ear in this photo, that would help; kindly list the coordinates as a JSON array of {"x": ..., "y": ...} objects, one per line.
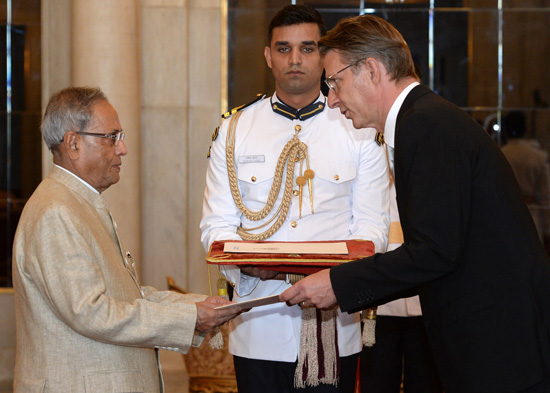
[
  {"x": 267, "y": 55},
  {"x": 71, "y": 145},
  {"x": 373, "y": 69}
]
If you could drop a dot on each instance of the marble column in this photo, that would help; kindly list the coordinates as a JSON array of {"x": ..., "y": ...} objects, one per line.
[
  {"x": 181, "y": 106},
  {"x": 56, "y": 57},
  {"x": 105, "y": 53}
]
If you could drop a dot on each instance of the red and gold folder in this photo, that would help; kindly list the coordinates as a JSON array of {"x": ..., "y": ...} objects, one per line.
[{"x": 290, "y": 262}]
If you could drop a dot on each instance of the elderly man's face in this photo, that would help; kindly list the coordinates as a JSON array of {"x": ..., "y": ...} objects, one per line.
[{"x": 100, "y": 160}]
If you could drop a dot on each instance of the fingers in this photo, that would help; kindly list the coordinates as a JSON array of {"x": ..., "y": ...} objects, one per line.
[
  {"x": 257, "y": 272},
  {"x": 292, "y": 295},
  {"x": 208, "y": 318},
  {"x": 217, "y": 301},
  {"x": 312, "y": 291}
]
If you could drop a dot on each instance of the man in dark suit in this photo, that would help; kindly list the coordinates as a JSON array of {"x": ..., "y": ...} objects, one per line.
[{"x": 471, "y": 249}]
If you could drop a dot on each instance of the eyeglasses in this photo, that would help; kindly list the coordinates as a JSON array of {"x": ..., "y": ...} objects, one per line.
[
  {"x": 331, "y": 82},
  {"x": 116, "y": 137}
]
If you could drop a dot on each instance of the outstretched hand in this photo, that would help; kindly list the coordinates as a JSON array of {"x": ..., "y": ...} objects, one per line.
[
  {"x": 314, "y": 290},
  {"x": 208, "y": 318}
]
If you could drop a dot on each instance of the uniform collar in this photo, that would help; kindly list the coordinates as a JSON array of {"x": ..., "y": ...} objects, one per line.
[{"x": 304, "y": 113}]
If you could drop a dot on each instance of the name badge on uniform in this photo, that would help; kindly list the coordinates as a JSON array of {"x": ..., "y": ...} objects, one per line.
[{"x": 251, "y": 159}]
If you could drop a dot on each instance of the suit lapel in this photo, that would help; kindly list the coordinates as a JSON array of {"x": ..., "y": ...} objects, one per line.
[{"x": 399, "y": 151}]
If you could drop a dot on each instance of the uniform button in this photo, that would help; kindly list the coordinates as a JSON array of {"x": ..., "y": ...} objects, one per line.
[
  {"x": 253, "y": 179},
  {"x": 298, "y": 128},
  {"x": 336, "y": 177},
  {"x": 296, "y": 192},
  {"x": 293, "y": 224}
]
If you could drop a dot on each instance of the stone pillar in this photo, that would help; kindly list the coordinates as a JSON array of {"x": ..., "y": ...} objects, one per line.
[
  {"x": 105, "y": 53},
  {"x": 181, "y": 106},
  {"x": 56, "y": 57}
]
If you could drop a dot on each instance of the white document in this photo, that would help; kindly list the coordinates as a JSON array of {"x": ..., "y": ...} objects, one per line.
[
  {"x": 286, "y": 248},
  {"x": 248, "y": 304}
]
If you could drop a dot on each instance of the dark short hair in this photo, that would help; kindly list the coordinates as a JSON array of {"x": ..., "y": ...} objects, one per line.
[
  {"x": 365, "y": 36},
  {"x": 295, "y": 15},
  {"x": 70, "y": 109}
]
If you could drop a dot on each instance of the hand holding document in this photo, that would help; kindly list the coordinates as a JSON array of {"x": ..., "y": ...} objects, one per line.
[
  {"x": 314, "y": 290},
  {"x": 210, "y": 315},
  {"x": 248, "y": 304}
]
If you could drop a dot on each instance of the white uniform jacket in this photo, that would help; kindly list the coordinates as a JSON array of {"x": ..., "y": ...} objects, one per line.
[{"x": 350, "y": 198}]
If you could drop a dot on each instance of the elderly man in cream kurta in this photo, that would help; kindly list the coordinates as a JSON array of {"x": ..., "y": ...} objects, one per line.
[{"x": 84, "y": 324}]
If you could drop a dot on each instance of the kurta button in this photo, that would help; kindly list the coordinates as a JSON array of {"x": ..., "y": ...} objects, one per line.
[
  {"x": 295, "y": 192},
  {"x": 336, "y": 177},
  {"x": 298, "y": 127},
  {"x": 253, "y": 179},
  {"x": 293, "y": 224}
]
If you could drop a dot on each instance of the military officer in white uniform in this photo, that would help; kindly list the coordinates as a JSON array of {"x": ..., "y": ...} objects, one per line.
[{"x": 345, "y": 196}]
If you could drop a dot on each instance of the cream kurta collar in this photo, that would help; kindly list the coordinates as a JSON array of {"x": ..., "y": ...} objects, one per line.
[{"x": 78, "y": 186}]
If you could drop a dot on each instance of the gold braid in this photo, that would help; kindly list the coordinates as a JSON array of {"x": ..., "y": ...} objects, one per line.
[{"x": 294, "y": 151}]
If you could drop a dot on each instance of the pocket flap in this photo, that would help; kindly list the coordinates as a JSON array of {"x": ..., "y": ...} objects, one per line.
[
  {"x": 335, "y": 172},
  {"x": 256, "y": 172}
]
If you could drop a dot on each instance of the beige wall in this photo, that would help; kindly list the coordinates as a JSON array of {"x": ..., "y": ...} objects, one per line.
[
  {"x": 181, "y": 87},
  {"x": 7, "y": 340}
]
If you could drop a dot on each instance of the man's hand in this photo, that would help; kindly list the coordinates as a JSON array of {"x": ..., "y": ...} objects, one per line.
[
  {"x": 257, "y": 272},
  {"x": 208, "y": 318},
  {"x": 314, "y": 290}
]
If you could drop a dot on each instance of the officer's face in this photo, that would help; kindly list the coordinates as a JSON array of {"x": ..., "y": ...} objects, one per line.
[{"x": 294, "y": 58}]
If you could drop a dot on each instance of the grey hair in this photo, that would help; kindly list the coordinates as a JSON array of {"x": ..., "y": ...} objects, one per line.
[{"x": 69, "y": 109}]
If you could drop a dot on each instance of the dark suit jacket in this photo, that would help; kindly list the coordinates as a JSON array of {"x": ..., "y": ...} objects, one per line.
[{"x": 471, "y": 249}]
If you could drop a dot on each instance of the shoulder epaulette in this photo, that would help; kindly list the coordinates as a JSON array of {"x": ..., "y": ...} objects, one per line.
[
  {"x": 379, "y": 138},
  {"x": 240, "y": 108},
  {"x": 215, "y": 134}
]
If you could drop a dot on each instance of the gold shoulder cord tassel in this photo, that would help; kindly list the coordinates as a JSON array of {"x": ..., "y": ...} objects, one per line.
[
  {"x": 293, "y": 152},
  {"x": 369, "y": 327},
  {"x": 216, "y": 341}
]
